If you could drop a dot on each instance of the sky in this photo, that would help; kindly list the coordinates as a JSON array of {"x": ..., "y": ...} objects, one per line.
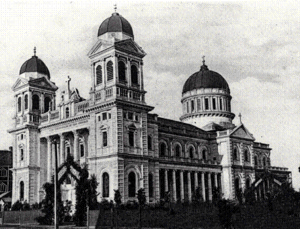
[{"x": 254, "y": 45}]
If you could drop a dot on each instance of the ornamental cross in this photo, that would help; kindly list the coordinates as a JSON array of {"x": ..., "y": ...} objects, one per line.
[
  {"x": 115, "y": 7},
  {"x": 203, "y": 60},
  {"x": 34, "y": 51}
]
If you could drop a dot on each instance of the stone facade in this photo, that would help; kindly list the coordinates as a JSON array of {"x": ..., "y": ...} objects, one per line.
[{"x": 124, "y": 145}]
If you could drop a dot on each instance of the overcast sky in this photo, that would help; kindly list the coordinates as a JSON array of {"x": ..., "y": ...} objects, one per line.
[{"x": 254, "y": 45}]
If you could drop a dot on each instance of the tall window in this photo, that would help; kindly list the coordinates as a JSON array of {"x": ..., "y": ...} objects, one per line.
[
  {"x": 21, "y": 191},
  {"x": 81, "y": 150},
  {"x": 67, "y": 112},
  {"x": 248, "y": 183},
  {"x": 204, "y": 154},
  {"x": 149, "y": 142},
  {"x": 26, "y": 102},
  {"x": 237, "y": 185},
  {"x": 235, "y": 154},
  {"x": 163, "y": 149},
  {"x": 198, "y": 104},
  {"x": 98, "y": 74},
  {"x": 131, "y": 137},
  {"x": 21, "y": 154},
  {"x": 110, "y": 71},
  {"x": 191, "y": 152},
  {"x": 264, "y": 162},
  {"x": 255, "y": 160},
  {"x": 68, "y": 151},
  {"x": 206, "y": 104},
  {"x": 134, "y": 75},
  {"x": 187, "y": 107},
  {"x": 47, "y": 103},
  {"x": 131, "y": 184},
  {"x": 105, "y": 184},
  {"x": 19, "y": 104},
  {"x": 192, "y": 105},
  {"x": 150, "y": 180},
  {"x": 246, "y": 155},
  {"x": 104, "y": 139},
  {"x": 35, "y": 102},
  {"x": 177, "y": 151},
  {"x": 214, "y": 103},
  {"x": 221, "y": 104},
  {"x": 122, "y": 71}
]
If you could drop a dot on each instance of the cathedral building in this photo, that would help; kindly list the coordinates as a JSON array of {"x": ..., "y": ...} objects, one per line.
[{"x": 126, "y": 146}]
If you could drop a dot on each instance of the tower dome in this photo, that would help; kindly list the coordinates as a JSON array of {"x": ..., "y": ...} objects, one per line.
[
  {"x": 34, "y": 65},
  {"x": 115, "y": 23},
  {"x": 206, "y": 100}
]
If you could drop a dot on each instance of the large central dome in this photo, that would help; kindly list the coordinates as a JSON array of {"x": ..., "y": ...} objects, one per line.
[
  {"x": 115, "y": 23},
  {"x": 205, "y": 79}
]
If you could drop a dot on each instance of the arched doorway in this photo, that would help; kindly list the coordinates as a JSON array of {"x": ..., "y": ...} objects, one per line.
[{"x": 131, "y": 184}]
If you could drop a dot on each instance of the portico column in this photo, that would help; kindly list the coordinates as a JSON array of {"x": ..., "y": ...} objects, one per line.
[
  {"x": 189, "y": 186},
  {"x": 62, "y": 148},
  {"x": 166, "y": 181},
  {"x": 209, "y": 187},
  {"x": 216, "y": 180},
  {"x": 181, "y": 186},
  {"x": 49, "y": 164},
  {"x": 174, "y": 185},
  {"x": 196, "y": 180},
  {"x": 75, "y": 145},
  {"x": 203, "y": 186}
]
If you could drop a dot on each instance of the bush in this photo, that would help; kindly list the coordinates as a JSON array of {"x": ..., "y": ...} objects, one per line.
[
  {"x": 131, "y": 204},
  {"x": 17, "y": 206}
]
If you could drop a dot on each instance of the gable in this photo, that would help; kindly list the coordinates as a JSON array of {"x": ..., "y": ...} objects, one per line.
[
  {"x": 130, "y": 46},
  {"x": 19, "y": 83},
  {"x": 242, "y": 132},
  {"x": 98, "y": 47},
  {"x": 43, "y": 83}
]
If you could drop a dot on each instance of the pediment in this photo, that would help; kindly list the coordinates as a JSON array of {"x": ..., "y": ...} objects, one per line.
[
  {"x": 242, "y": 132},
  {"x": 43, "y": 83},
  {"x": 130, "y": 46},
  {"x": 19, "y": 83},
  {"x": 98, "y": 47}
]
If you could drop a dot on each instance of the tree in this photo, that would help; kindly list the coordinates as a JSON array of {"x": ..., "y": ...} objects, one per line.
[{"x": 118, "y": 201}]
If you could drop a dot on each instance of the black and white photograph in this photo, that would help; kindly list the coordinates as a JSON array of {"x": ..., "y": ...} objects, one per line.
[{"x": 150, "y": 114}]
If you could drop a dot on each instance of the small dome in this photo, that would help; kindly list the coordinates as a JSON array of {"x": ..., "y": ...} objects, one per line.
[
  {"x": 115, "y": 23},
  {"x": 34, "y": 64},
  {"x": 205, "y": 79}
]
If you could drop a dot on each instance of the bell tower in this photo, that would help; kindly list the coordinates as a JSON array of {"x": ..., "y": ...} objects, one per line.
[{"x": 34, "y": 95}]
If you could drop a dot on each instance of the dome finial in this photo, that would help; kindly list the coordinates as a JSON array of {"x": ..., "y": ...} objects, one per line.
[
  {"x": 34, "y": 51},
  {"x": 240, "y": 116},
  {"x": 203, "y": 67},
  {"x": 115, "y": 8}
]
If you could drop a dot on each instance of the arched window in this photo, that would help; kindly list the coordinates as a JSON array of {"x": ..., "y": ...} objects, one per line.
[
  {"x": 131, "y": 184},
  {"x": 134, "y": 75},
  {"x": 204, "y": 156},
  {"x": 255, "y": 160},
  {"x": 163, "y": 149},
  {"x": 68, "y": 180},
  {"x": 35, "y": 102},
  {"x": 177, "y": 151},
  {"x": 99, "y": 74},
  {"x": 248, "y": 183},
  {"x": 21, "y": 191},
  {"x": 235, "y": 154},
  {"x": 149, "y": 142},
  {"x": 105, "y": 185},
  {"x": 246, "y": 155},
  {"x": 122, "y": 71},
  {"x": 47, "y": 103},
  {"x": 21, "y": 154},
  {"x": 110, "y": 71},
  {"x": 3, "y": 187},
  {"x": 3, "y": 172},
  {"x": 19, "y": 104},
  {"x": 131, "y": 137},
  {"x": 264, "y": 162},
  {"x": 191, "y": 152},
  {"x": 26, "y": 101},
  {"x": 150, "y": 179},
  {"x": 81, "y": 150},
  {"x": 67, "y": 112}
]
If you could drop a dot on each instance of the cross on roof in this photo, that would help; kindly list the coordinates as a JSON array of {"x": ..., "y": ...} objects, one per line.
[
  {"x": 203, "y": 60},
  {"x": 34, "y": 51},
  {"x": 115, "y": 7}
]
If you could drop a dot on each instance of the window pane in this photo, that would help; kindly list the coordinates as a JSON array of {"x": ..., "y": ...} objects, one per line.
[
  {"x": 206, "y": 104},
  {"x": 99, "y": 75},
  {"x": 134, "y": 74},
  {"x": 122, "y": 71},
  {"x": 110, "y": 71},
  {"x": 104, "y": 138}
]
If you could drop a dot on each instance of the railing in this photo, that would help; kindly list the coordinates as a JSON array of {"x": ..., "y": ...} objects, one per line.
[
  {"x": 44, "y": 117},
  {"x": 82, "y": 105},
  {"x": 278, "y": 168},
  {"x": 54, "y": 115}
]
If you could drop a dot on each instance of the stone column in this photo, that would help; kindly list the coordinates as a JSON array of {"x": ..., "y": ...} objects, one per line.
[
  {"x": 174, "y": 185},
  {"x": 209, "y": 187},
  {"x": 203, "y": 186},
  {"x": 181, "y": 186},
  {"x": 189, "y": 186},
  {"x": 166, "y": 181},
  {"x": 62, "y": 148},
  {"x": 49, "y": 161},
  {"x": 196, "y": 180},
  {"x": 76, "y": 138},
  {"x": 216, "y": 180}
]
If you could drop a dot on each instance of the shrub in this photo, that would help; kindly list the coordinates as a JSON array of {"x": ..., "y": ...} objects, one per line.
[{"x": 17, "y": 206}]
